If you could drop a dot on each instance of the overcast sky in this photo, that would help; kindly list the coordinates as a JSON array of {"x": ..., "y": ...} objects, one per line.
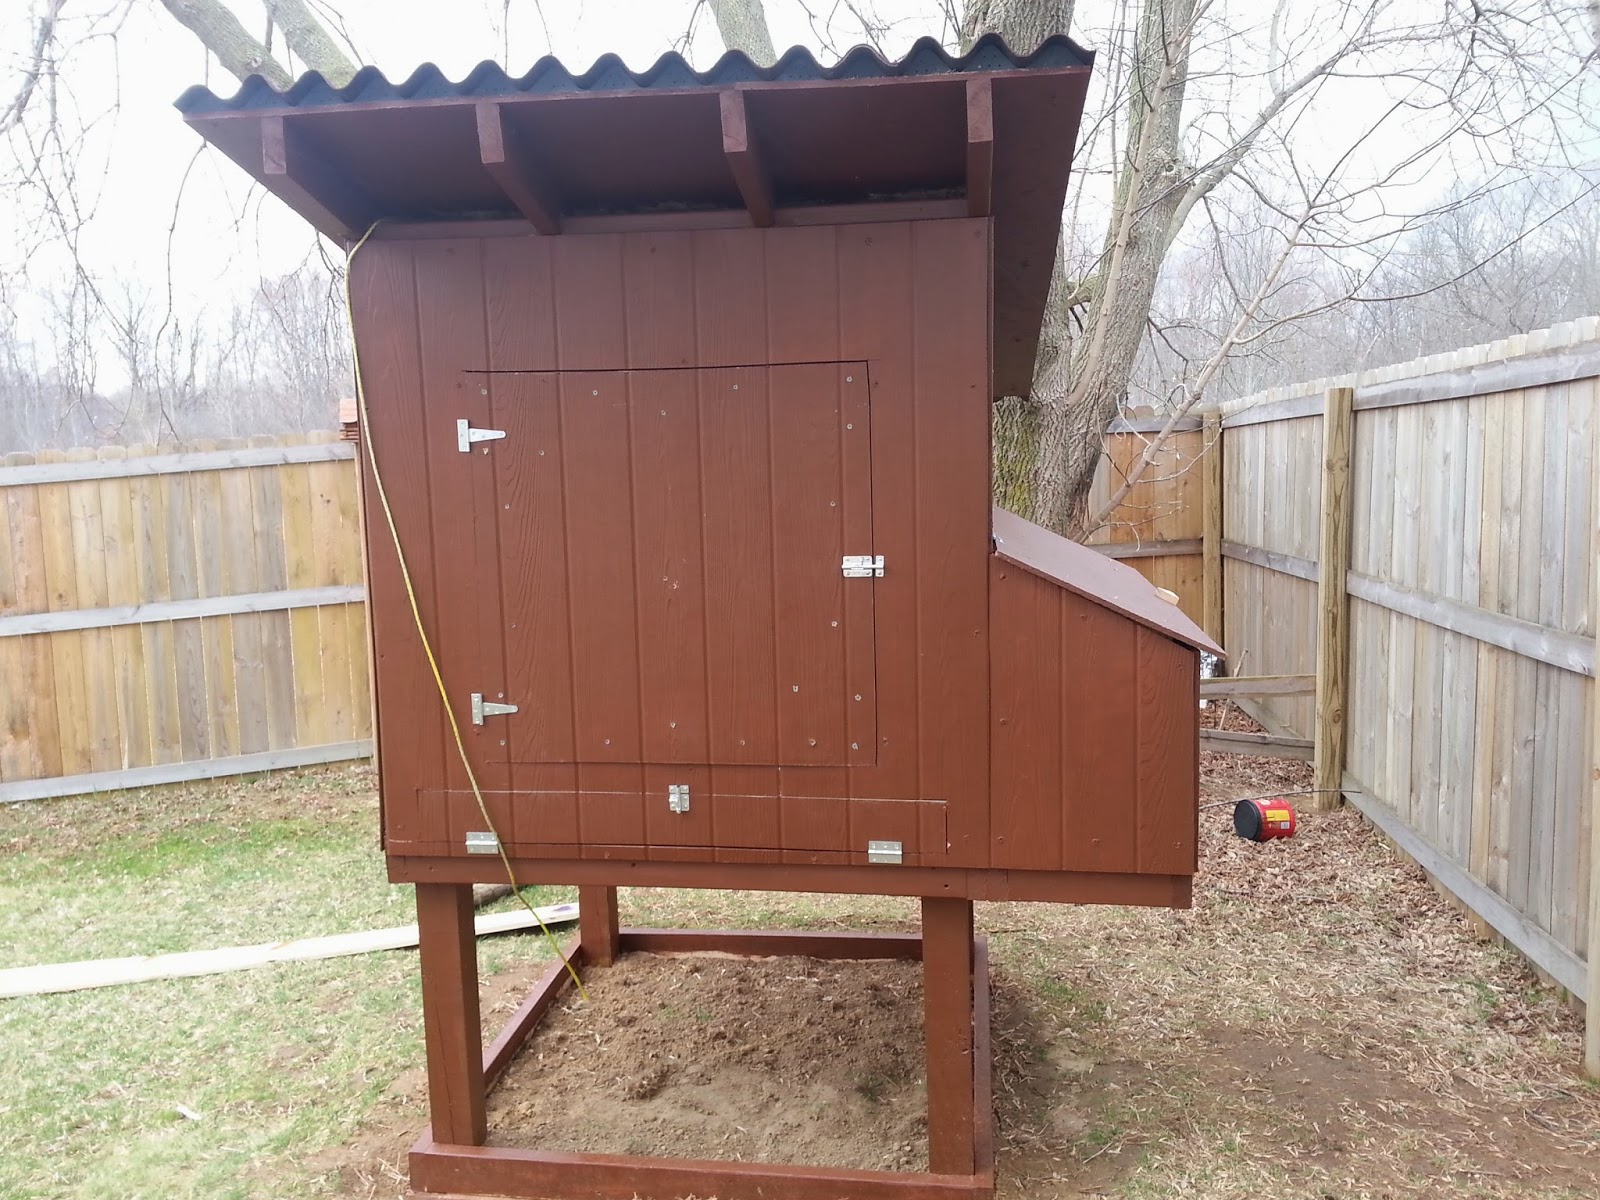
[
  {"x": 134, "y": 163},
  {"x": 227, "y": 237}
]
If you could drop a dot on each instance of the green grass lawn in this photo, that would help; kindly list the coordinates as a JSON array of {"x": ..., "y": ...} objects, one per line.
[{"x": 275, "y": 1064}]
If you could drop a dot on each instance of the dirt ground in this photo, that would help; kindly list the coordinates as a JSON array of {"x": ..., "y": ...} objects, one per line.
[{"x": 1322, "y": 1024}]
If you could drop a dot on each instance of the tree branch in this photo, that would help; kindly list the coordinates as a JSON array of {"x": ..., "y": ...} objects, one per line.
[
  {"x": 43, "y": 35},
  {"x": 221, "y": 33},
  {"x": 743, "y": 26},
  {"x": 308, "y": 39}
]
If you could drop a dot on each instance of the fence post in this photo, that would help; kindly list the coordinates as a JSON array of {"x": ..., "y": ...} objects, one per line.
[
  {"x": 1211, "y": 527},
  {"x": 1333, "y": 602},
  {"x": 1591, "y": 1006}
]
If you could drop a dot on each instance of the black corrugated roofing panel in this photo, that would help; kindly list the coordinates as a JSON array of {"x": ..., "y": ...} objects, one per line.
[{"x": 610, "y": 74}]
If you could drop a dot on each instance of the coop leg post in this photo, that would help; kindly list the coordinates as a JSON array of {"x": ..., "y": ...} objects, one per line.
[
  {"x": 598, "y": 930},
  {"x": 947, "y": 974},
  {"x": 448, "y": 949}
]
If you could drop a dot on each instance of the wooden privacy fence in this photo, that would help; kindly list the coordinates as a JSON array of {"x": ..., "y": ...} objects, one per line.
[
  {"x": 1452, "y": 639},
  {"x": 179, "y": 613}
]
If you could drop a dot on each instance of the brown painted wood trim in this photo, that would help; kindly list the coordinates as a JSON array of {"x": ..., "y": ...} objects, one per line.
[
  {"x": 497, "y": 1055},
  {"x": 598, "y": 927},
  {"x": 982, "y": 1060},
  {"x": 1062, "y": 887},
  {"x": 947, "y": 986},
  {"x": 438, "y": 1168},
  {"x": 510, "y": 164},
  {"x": 1155, "y": 549},
  {"x": 980, "y": 146},
  {"x": 448, "y": 954},
  {"x": 758, "y": 942},
  {"x": 743, "y": 152},
  {"x": 873, "y": 213},
  {"x": 309, "y": 183},
  {"x": 1271, "y": 560}
]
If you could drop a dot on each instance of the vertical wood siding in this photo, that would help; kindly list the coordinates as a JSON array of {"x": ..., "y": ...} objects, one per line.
[
  {"x": 1480, "y": 503},
  {"x": 83, "y": 707},
  {"x": 523, "y": 334}
]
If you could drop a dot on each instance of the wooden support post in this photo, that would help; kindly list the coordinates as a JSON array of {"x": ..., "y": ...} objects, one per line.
[
  {"x": 1211, "y": 527},
  {"x": 947, "y": 967},
  {"x": 598, "y": 930},
  {"x": 980, "y": 146},
  {"x": 449, "y": 953},
  {"x": 1333, "y": 600},
  {"x": 1591, "y": 1009}
]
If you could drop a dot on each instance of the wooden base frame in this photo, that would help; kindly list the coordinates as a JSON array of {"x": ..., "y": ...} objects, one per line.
[{"x": 960, "y": 1120}]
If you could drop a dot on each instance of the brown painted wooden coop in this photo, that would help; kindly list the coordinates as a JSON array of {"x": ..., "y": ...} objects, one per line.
[{"x": 679, "y": 386}]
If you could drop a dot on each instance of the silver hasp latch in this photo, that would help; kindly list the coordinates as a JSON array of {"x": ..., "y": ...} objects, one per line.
[
  {"x": 678, "y": 797},
  {"x": 483, "y": 843},
  {"x": 482, "y": 708},
  {"x": 466, "y": 435},
  {"x": 885, "y": 852},
  {"x": 862, "y": 566}
]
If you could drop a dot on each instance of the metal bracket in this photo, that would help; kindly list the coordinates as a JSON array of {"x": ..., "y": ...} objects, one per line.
[
  {"x": 678, "y": 797},
  {"x": 482, "y": 708},
  {"x": 466, "y": 435},
  {"x": 483, "y": 843},
  {"x": 862, "y": 566},
  {"x": 885, "y": 852}
]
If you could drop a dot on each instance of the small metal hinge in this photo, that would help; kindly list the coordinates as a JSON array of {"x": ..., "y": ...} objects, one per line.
[
  {"x": 482, "y": 708},
  {"x": 678, "y": 797},
  {"x": 466, "y": 435},
  {"x": 483, "y": 843},
  {"x": 885, "y": 852},
  {"x": 862, "y": 566}
]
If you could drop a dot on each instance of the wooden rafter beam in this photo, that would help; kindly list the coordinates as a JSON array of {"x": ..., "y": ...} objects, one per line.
[
  {"x": 511, "y": 164},
  {"x": 980, "y": 146},
  {"x": 298, "y": 174},
  {"x": 739, "y": 147}
]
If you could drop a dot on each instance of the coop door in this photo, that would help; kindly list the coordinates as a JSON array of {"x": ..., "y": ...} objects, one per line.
[{"x": 672, "y": 546}]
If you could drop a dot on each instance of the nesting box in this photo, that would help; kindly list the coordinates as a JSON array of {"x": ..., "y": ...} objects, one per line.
[{"x": 678, "y": 386}]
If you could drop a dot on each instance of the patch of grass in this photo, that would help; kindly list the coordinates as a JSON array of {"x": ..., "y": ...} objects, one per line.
[{"x": 272, "y": 1064}]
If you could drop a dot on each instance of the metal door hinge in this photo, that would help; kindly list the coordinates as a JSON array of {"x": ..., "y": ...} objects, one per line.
[
  {"x": 466, "y": 435},
  {"x": 885, "y": 852},
  {"x": 482, "y": 708},
  {"x": 862, "y": 566},
  {"x": 483, "y": 843},
  {"x": 678, "y": 797}
]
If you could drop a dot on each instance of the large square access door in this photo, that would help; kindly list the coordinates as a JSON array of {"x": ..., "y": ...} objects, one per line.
[{"x": 671, "y": 546}]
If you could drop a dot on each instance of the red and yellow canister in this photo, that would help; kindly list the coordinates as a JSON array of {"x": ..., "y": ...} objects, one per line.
[{"x": 1263, "y": 820}]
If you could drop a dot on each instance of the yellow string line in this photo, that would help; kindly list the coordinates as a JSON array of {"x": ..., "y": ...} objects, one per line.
[{"x": 416, "y": 612}]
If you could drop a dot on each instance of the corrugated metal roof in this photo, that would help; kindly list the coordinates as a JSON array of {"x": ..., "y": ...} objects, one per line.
[{"x": 610, "y": 74}]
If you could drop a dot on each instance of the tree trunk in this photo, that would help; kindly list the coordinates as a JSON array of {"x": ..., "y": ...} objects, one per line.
[
  {"x": 1023, "y": 23},
  {"x": 743, "y": 26},
  {"x": 310, "y": 41},
  {"x": 1015, "y": 425},
  {"x": 220, "y": 32},
  {"x": 1148, "y": 196}
]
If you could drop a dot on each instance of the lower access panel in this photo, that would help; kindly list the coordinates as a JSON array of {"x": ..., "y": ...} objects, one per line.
[{"x": 673, "y": 575}]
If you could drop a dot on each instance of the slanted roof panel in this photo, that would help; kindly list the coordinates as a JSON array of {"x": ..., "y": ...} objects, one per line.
[
  {"x": 1095, "y": 577},
  {"x": 612, "y": 141}
]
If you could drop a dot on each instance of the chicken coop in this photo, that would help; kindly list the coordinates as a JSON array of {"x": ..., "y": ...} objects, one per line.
[{"x": 675, "y": 450}]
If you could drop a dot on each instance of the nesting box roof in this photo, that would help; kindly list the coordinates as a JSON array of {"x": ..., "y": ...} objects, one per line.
[
  {"x": 989, "y": 133},
  {"x": 1095, "y": 577}
]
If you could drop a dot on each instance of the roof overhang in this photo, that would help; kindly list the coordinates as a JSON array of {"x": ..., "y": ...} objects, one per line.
[
  {"x": 1096, "y": 578},
  {"x": 989, "y": 134}
]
